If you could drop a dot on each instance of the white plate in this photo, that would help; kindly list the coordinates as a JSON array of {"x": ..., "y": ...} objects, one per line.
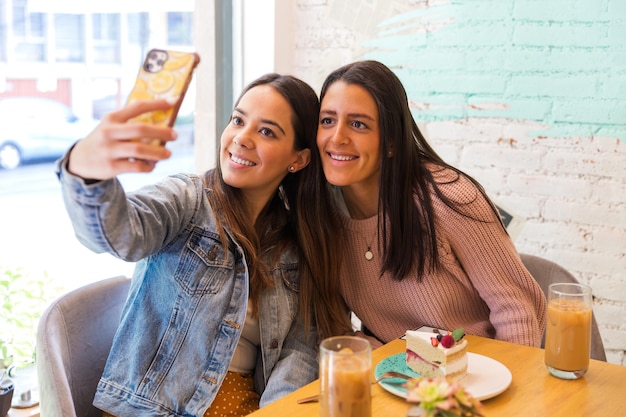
[{"x": 485, "y": 377}]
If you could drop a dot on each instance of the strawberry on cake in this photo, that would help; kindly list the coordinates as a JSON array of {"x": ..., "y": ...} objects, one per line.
[{"x": 434, "y": 354}]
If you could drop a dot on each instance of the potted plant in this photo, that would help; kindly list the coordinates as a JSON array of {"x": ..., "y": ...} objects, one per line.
[
  {"x": 22, "y": 300},
  {"x": 6, "y": 394}
]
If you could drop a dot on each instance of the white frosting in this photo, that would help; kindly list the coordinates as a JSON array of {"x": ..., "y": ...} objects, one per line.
[{"x": 426, "y": 336}]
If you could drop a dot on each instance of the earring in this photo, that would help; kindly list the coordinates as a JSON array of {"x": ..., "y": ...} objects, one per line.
[
  {"x": 390, "y": 154},
  {"x": 292, "y": 168}
]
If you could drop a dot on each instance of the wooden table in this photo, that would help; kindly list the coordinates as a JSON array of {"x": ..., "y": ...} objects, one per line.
[{"x": 533, "y": 392}]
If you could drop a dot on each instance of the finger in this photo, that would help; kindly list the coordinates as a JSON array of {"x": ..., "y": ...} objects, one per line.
[
  {"x": 143, "y": 132},
  {"x": 139, "y": 151},
  {"x": 122, "y": 166},
  {"x": 136, "y": 108},
  {"x": 134, "y": 165}
]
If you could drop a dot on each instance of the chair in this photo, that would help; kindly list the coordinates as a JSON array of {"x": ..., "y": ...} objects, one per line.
[
  {"x": 74, "y": 337},
  {"x": 547, "y": 272}
]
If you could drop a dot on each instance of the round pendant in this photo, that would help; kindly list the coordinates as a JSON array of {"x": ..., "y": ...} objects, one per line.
[{"x": 369, "y": 255}]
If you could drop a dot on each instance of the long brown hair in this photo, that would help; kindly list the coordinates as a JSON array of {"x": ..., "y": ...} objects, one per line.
[
  {"x": 291, "y": 219},
  {"x": 411, "y": 242}
]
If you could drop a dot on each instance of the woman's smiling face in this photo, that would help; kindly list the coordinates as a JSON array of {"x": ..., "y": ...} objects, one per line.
[
  {"x": 348, "y": 136},
  {"x": 257, "y": 146}
]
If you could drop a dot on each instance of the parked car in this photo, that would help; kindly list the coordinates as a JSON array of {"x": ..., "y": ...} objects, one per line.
[{"x": 37, "y": 129}]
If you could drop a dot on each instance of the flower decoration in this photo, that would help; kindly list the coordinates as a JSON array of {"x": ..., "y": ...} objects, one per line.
[{"x": 440, "y": 397}]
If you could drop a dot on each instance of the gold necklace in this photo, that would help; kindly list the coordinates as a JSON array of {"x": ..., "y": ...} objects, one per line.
[{"x": 369, "y": 255}]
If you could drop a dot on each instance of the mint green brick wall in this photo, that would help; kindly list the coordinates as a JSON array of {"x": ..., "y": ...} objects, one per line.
[
  {"x": 561, "y": 10},
  {"x": 561, "y": 63},
  {"x": 561, "y": 34}
]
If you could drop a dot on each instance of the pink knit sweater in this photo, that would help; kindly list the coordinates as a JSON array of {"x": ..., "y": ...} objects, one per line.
[{"x": 482, "y": 286}]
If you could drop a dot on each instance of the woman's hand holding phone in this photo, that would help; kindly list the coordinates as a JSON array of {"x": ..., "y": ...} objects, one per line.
[
  {"x": 112, "y": 147},
  {"x": 132, "y": 139}
]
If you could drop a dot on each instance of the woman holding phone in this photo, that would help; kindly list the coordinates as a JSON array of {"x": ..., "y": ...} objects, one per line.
[{"x": 220, "y": 318}]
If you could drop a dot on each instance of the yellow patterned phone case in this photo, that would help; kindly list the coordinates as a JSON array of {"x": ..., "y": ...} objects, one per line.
[{"x": 163, "y": 75}]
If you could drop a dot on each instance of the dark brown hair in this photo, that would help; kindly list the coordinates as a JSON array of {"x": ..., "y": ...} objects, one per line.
[
  {"x": 404, "y": 197},
  {"x": 294, "y": 218}
]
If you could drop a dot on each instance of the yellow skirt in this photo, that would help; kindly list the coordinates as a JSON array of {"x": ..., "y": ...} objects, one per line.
[{"x": 235, "y": 398}]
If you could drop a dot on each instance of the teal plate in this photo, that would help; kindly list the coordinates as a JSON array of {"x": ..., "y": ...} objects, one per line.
[
  {"x": 485, "y": 377},
  {"x": 395, "y": 363}
]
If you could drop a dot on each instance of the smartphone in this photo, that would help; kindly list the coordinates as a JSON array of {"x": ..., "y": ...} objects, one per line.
[{"x": 164, "y": 74}]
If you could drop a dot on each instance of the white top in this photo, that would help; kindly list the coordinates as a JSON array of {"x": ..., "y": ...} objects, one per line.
[{"x": 245, "y": 356}]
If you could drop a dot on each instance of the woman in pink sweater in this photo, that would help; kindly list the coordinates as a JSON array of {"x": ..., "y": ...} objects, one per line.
[{"x": 424, "y": 245}]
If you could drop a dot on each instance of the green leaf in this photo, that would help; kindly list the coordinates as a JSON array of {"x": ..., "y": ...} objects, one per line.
[
  {"x": 458, "y": 334},
  {"x": 23, "y": 299}
]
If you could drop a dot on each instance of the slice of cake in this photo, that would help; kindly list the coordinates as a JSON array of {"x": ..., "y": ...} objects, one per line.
[{"x": 433, "y": 354}]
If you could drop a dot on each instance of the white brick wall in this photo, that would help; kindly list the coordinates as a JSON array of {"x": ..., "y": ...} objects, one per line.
[{"x": 571, "y": 190}]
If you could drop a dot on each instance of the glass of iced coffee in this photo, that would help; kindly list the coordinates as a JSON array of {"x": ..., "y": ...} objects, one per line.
[
  {"x": 568, "y": 331},
  {"x": 345, "y": 377}
]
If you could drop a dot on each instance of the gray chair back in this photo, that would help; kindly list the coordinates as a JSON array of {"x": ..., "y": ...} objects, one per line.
[
  {"x": 74, "y": 337},
  {"x": 547, "y": 272}
]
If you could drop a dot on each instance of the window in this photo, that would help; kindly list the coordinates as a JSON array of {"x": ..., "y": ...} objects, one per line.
[
  {"x": 100, "y": 54},
  {"x": 106, "y": 37},
  {"x": 29, "y": 32},
  {"x": 138, "y": 28},
  {"x": 3, "y": 33},
  {"x": 68, "y": 29},
  {"x": 178, "y": 24}
]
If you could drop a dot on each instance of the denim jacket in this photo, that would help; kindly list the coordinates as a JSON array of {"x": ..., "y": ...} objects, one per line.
[{"x": 187, "y": 301}]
